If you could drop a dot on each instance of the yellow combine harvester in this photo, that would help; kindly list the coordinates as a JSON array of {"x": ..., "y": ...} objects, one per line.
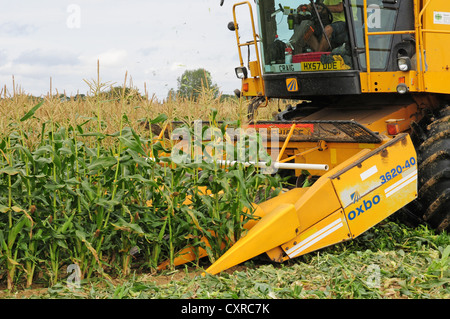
[{"x": 372, "y": 108}]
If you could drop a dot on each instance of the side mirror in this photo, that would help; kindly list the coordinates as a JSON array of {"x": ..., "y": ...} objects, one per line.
[
  {"x": 221, "y": 2},
  {"x": 231, "y": 26}
]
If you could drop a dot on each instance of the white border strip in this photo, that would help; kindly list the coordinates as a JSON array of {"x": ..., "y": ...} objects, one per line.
[
  {"x": 371, "y": 171},
  {"x": 401, "y": 183},
  {"x": 314, "y": 238}
]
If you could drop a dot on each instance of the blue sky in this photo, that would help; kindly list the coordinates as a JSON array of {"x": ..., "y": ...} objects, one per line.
[{"x": 154, "y": 41}]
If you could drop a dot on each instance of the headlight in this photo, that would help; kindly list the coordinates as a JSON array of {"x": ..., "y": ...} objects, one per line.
[
  {"x": 402, "y": 88},
  {"x": 241, "y": 72},
  {"x": 404, "y": 63}
]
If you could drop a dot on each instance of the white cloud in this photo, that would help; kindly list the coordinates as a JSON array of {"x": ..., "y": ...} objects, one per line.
[
  {"x": 155, "y": 42},
  {"x": 109, "y": 58},
  {"x": 47, "y": 58},
  {"x": 13, "y": 29}
]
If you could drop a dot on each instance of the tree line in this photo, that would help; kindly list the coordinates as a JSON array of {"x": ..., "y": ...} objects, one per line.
[{"x": 193, "y": 82}]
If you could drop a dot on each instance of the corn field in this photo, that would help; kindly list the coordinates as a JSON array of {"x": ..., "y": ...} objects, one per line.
[{"x": 77, "y": 186}]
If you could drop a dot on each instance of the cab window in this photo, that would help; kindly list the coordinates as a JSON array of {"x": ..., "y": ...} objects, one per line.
[
  {"x": 379, "y": 18},
  {"x": 288, "y": 29}
]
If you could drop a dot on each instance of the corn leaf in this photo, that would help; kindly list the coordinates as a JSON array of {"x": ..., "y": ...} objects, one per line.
[
  {"x": 133, "y": 145},
  {"x": 9, "y": 171},
  {"x": 129, "y": 227},
  {"x": 15, "y": 230},
  {"x": 32, "y": 111},
  {"x": 160, "y": 118}
]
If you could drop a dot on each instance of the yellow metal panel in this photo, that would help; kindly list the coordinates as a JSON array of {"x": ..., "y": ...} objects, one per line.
[
  {"x": 405, "y": 114},
  {"x": 436, "y": 36},
  {"x": 255, "y": 69},
  {"x": 386, "y": 82},
  {"x": 255, "y": 87},
  {"x": 276, "y": 228},
  {"x": 378, "y": 185},
  {"x": 264, "y": 208},
  {"x": 328, "y": 231},
  {"x": 365, "y": 145},
  {"x": 437, "y": 82},
  {"x": 314, "y": 204},
  {"x": 333, "y": 155},
  {"x": 374, "y": 118}
]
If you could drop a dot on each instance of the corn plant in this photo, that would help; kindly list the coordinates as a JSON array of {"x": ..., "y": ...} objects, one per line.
[{"x": 106, "y": 201}]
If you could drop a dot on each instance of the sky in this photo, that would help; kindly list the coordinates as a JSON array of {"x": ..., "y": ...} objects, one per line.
[{"x": 151, "y": 41}]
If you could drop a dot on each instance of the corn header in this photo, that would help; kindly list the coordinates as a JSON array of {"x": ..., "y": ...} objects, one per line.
[{"x": 370, "y": 122}]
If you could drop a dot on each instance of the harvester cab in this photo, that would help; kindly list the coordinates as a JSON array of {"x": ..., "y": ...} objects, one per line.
[
  {"x": 377, "y": 46},
  {"x": 371, "y": 108},
  {"x": 323, "y": 45}
]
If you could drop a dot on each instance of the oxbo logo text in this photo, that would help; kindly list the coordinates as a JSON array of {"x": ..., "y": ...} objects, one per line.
[{"x": 364, "y": 207}]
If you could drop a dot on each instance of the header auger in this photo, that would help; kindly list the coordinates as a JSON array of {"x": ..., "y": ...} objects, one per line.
[{"x": 371, "y": 106}]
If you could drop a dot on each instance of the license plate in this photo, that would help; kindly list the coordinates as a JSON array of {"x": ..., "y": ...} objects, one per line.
[
  {"x": 318, "y": 66},
  {"x": 280, "y": 68}
]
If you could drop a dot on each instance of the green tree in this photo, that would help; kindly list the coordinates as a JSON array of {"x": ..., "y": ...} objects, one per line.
[
  {"x": 192, "y": 82},
  {"x": 116, "y": 92}
]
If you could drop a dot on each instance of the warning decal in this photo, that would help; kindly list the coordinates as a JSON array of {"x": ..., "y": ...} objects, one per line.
[{"x": 441, "y": 17}]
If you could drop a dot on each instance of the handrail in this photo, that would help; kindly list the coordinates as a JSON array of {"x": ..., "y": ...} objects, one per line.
[
  {"x": 423, "y": 10},
  {"x": 366, "y": 40},
  {"x": 392, "y": 32},
  {"x": 253, "y": 42},
  {"x": 417, "y": 27},
  {"x": 418, "y": 35},
  {"x": 435, "y": 31}
]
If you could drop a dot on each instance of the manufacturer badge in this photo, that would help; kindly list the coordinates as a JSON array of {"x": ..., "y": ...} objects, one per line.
[{"x": 292, "y": 85}]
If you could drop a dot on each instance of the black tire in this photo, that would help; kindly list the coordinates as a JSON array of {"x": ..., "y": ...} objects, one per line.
[{"x": 433, "y": 155}]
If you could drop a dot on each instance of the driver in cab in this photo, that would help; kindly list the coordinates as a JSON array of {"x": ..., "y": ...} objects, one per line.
[{"x": 312, "y": 35}]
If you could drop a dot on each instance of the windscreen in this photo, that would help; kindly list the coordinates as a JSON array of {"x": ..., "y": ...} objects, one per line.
[{"x": 293, "y": 37}]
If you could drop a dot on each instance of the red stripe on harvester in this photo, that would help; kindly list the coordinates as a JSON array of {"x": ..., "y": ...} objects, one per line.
[{"x": 273, "y": 125}]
